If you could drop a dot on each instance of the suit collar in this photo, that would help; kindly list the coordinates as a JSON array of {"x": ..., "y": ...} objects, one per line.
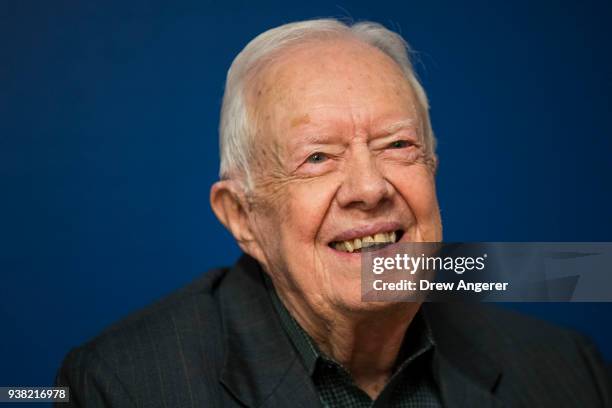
[
  {"x": 467, "y": 376},
  {"x": 461, "y": 388},
  {"x": 261, "y": 367}
]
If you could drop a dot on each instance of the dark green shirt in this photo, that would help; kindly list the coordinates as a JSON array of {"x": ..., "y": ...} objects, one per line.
[{"x": 411, "y": 385}]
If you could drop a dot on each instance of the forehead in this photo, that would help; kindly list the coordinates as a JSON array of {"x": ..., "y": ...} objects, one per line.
[{"x": 329, "y": 82}]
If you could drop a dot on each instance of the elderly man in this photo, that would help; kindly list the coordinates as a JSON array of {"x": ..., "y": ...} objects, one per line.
[{"x": 326, "y": 148}]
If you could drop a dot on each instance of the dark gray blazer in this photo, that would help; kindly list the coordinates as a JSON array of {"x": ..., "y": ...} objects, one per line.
[{"x": 218, "y": 343}]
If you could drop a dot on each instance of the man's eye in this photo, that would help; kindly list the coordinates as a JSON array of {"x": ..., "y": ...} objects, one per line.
[
  {"x": 317, "y": 158},
  {"x": 399, "y": 144}
]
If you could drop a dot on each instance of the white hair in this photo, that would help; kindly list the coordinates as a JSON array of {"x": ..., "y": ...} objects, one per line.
[{"x": 236, "y": 127}]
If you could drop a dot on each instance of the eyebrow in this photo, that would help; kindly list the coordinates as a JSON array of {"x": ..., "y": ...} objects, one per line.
[
  {"x": 313, "y": 135},
  {"x": 397, "y": 126},
  {"x": 321, "y": 138}
]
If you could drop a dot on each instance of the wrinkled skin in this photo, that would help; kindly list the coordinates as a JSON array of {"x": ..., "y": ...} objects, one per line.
[{"x": 338, "y": 146}]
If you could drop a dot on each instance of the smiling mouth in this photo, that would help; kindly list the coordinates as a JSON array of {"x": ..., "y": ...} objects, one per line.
[{"x": 368, "y": 242}]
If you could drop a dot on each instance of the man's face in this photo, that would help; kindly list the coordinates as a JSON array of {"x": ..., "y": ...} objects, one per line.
[{"x": 338, "y": 162}]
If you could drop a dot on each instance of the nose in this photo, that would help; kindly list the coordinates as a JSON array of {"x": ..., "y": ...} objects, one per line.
[{"x": 363, "y": 186}]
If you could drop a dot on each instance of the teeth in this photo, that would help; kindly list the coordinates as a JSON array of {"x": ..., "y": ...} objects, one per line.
[
  {"x": 364, "y": 242},
  {"x": 381, "y": 237}
]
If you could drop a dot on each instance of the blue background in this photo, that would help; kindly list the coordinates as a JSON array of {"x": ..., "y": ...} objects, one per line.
[{"x": 108, "y": 146}]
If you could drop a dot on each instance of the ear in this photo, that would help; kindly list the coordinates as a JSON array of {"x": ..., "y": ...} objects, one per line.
[
  {"x": 436, "y": 164},
  {"x": 433, "y": 163},
  {"x": 228, "y": 201}
]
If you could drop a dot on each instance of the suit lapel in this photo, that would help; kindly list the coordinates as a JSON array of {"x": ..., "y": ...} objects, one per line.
[
  {"x": 460, "y": 390},
  {"x": 261, "y": 368},
  {"x": 467, "y": 376}
]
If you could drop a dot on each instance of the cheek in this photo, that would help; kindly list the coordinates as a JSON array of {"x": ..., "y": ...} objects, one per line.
[
  {"x": 307, "y": 205},
  {"x": 416, "y": 185}
]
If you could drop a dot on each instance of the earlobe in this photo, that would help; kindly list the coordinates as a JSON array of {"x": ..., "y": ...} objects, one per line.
[{"x": 228, "y": 204}]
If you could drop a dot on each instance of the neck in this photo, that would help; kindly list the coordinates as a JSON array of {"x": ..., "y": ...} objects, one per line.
[{"x": 366, "y": 343}]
